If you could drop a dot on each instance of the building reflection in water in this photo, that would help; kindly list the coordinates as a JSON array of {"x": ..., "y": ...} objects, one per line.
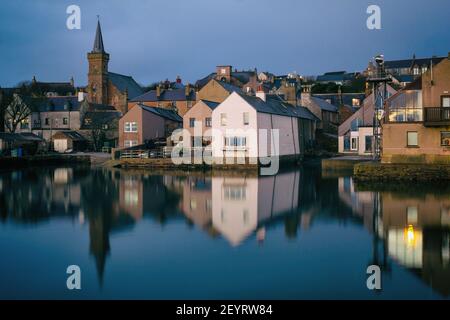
[
  {"x": 409, "y": 227},
  {"x": 413, "y": 225}
]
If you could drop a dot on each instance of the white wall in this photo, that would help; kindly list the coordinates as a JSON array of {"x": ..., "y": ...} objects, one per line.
[{"x": 234, "y": 107}]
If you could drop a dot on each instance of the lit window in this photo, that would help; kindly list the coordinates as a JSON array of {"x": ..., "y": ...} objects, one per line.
[
  {"x": 445, "y": 138},
  {"x": 246, "y": 119},
  {"x": 412, "y": 139},
  {"x": 406, "y": 107},
  {"x": 223, "y": 119},
  {"x": 131, "y": 127},
  {"x": 356, "y": 102}
]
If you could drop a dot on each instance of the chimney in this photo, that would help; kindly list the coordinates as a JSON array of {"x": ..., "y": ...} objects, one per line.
[
  {"x": 449, "y": 54},
  {"x": 72, "y": 83},
  {"x": 187, "y": 90},
  {"x": 34, "y": 79},
  {"x": 81, "y": 96},
  {"x": 178, "y": 79},
  {"x": 260, "y": 93},
  {"x": 158, "y": 91}
]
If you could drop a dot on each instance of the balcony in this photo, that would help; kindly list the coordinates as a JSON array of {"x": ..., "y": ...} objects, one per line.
[{"x": 436, "y": 117}]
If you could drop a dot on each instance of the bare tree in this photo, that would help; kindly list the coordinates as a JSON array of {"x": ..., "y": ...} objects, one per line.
[{"x": 15, "y": 113}]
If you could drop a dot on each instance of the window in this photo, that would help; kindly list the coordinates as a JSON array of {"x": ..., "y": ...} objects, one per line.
[
  {"x": 347, "y": 143},
  {"x": 356, "y": 102},
  {"x": 24, "y": 124},
  {"x": 235, "y": 141},
  {"x": 369, "y": 140},
  {"x": 406, "y": 107},
  {"x": 445, "y": 101},
  {"x": 47, "y": 121},
  {"x": 223, "y": 71},
  {"x": 412, "y": 215},
  {"x": 131, "y": 127},
  {"x": 354, "y": 145},
  {"x": 191, "y": 122},
  {"x": 65, "y": 121},
  {"x": 246, "y": 118},
  {"x": 355, "y": 124},
  {"x": 416, "y": 71},
  {"x": 412, "y": 139},
  {"x": 130, "y": 143},
  {"x": 208, "y": 122},
  {"x": 223, "y": 119},
  {"x": 445, "y": 138},
  {"x": 234, "y": 192}
]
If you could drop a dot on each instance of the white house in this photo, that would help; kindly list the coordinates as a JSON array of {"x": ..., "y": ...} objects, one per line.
[{"x": 245, "y": 126}]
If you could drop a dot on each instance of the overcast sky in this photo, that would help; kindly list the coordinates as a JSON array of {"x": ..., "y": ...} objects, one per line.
[{"x": 154, "y": 40}]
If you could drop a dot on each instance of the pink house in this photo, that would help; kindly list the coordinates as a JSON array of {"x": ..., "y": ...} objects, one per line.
[{"x": 143, "y": 123}]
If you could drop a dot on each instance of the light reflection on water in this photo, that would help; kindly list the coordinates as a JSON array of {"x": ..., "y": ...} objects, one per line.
[{"x": 299, "y": 234}]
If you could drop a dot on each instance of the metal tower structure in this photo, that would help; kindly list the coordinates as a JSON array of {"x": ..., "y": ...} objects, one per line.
[{"x": 379, "y": 80}]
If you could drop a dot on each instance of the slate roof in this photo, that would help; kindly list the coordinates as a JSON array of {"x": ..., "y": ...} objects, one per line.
[
  {"x": 335, "y": 76},
  {"x": 347, "y": 98},
  {"x": 165, "y": 113},
  {"x": 97, "y": 119},
  {"x": 61, "y": 88},
  {"x": 241, "y": 76},
  {"x": 166, "y": 95},
  {"x": 324, "y": 105},
  {"x": 123, "y": 83},
  {"x": 46, "y": 104},
  {"x": 229, "y": 87},
  {"x": 275, "y": 105},
  {"x": 98, "y": 42},
  {"x": 212, "y": 105},
  {"x": 404, "y": 78},
  {"x": 27, "y": 136},
  {"x": 73, "y": 135},
  {"x": 408, "y": 63}
]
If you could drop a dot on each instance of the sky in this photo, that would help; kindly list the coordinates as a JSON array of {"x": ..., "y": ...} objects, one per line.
[{"x": 157, "y": 40}]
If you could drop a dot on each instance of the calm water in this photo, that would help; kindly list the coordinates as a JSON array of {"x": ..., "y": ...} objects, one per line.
[{"x": 300, "y": 234}]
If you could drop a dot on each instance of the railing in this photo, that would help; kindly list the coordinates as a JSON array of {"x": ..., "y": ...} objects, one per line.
[
  {"x": 436, "y": 116},
  {"x": 134, "y": 154}
]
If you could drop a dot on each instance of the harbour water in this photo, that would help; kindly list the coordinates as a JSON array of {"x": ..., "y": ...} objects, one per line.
[{"x": 301, "y": 234}]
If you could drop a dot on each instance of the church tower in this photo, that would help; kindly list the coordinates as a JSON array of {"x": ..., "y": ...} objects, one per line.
[{"x": 97, "y": 89}]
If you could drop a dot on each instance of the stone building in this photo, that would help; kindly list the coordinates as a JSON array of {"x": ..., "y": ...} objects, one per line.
[
  {"x": 106, "y": 87},
  {"x": 416, "y": 125}
]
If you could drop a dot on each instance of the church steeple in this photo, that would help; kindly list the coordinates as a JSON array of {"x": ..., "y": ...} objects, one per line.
[
  {"x": 97, "y": 89},
  {"x": 98, "y": 42}
]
